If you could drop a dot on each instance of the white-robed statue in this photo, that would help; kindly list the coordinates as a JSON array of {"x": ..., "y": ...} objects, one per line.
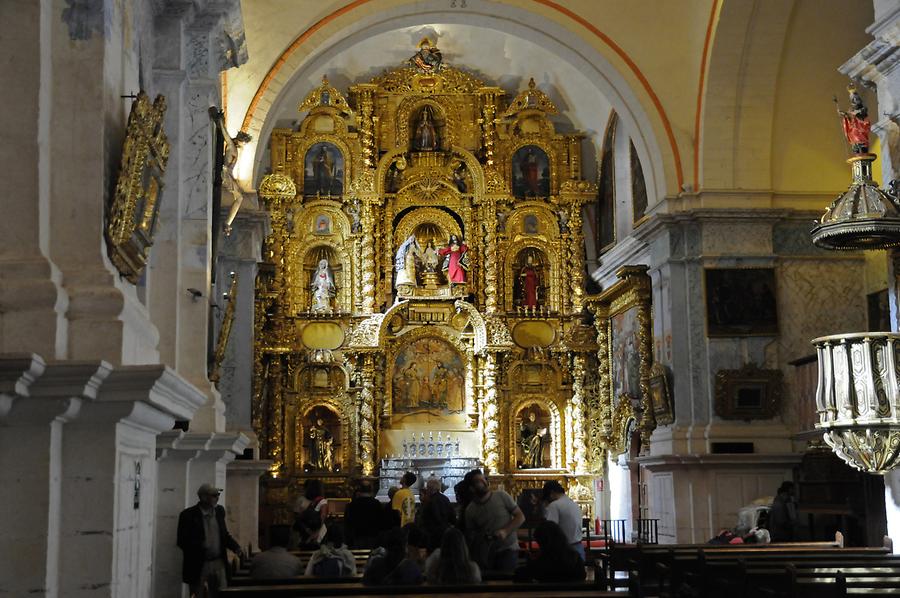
[
  {"x": 405, "y": 263},
  {"x": 322, "y": 287}
]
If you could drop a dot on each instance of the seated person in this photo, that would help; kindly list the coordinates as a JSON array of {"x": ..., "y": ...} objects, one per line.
[
  {"x": 436, "y": 513},
  {"x": 276, "y": 562},
  {"x": 557, "y": 560},
  {"x": 400, "y": 561},
  {"x": 450, "y": 564},
  {"x": 333, "y": 558}
]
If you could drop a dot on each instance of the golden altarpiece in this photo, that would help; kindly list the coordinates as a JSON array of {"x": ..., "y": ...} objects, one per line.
[{"x": 423, "y": 291}]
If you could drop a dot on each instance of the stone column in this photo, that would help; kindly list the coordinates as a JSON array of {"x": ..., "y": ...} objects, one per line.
[
  {"x": 173, "y": 496},
  {"x": 32, "y": 300},
  {"x": 242, "y": 477},
  {"x": 240, "y": 254},
  {"x": 36, "y": 402},
  {"x": 108, "y": 480}
]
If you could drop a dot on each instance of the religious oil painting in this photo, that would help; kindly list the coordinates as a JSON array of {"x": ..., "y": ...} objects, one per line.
[
  {"x": 323, "y": 170},
  {"x": 530, "y": 172},
  {"x": 626, "y": 355},
  {"x": 530, "y": 224},
  {"x": 322, "y": 225},
  {"x": 429, "y": 375},
  {"x": 741, "y": 302}
]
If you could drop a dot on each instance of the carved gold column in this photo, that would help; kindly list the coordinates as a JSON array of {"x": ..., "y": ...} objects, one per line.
[
  {"x": 648, "y": 421},
  {"x": 369, "y": 219},
  {"x": 600, "y": 428},
  {"x": 471, "y": 402},
  {"x": 367, "y": 414},
  {"x": 490, "y": 287},
  {"x": 491, "y": 414},
  {"x": 576, "y": 258},
  {"x": 490, "y": 96},
  {"x": 276, "y": 414},
  {"x": 278, "y": 192},
  {"x": 366, "y": 122},
  {"x": 578, "y": 459}
]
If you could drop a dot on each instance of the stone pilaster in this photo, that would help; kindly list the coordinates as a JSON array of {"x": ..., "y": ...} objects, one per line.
[{"x": 242, "y": 476}]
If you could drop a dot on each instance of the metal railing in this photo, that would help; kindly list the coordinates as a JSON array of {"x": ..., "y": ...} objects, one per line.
[{"x": 644, "y": 531}]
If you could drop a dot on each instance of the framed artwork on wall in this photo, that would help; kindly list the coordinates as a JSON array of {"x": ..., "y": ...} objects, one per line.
[
  {"x": 748, "y": 393},
  {"x": 661, "y": 395},
  {"x": 741, "y": 302}
]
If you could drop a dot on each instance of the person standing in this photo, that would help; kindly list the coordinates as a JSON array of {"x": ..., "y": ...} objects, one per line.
[
  {"x": 783, "y": 514},
  {"x": 492, "y": 519},
  {"x": 436, "y": 513},
  {"x": 403, "y": 501},
  {"x": 203, "y": 539},
  {"x": 363, "y": 519},
  {"x": 563, "y": 511}
]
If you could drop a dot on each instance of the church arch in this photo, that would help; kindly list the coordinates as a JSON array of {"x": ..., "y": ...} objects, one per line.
[{"x": 600, "y": 64}]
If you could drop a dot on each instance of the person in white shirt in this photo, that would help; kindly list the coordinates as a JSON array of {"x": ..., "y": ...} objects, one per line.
[{"x": 563, "y": 511}]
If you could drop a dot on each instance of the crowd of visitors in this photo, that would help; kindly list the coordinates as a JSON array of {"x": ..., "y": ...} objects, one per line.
[{"x": 434, "y": 541}]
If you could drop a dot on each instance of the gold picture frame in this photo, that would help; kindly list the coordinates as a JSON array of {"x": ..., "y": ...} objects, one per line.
[
  {"x": 748, "y": 393},
  {"x": 135, "y": 204},
  {"x": 628, "y": 299},
  {"x": 661, "y": 395}
]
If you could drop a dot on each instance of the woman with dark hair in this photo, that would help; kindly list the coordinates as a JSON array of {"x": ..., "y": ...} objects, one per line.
[
  {"x": 557, "y": 560},
  {"x": 450, "y": 564}
]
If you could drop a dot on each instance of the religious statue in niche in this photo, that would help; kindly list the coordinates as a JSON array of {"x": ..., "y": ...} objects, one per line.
[
  {"x": 855, "y": 122},
  {"x": 232, "y": 151},
  {"x": 533, "y": 437},
  {"x": 323, "y": 171},
  {"x": 428, "y": 375},
  {"x": 394, "y": 177},
  {"x": 425, "y": 139},
  {"x": 321, "y": 447},
  {"x": 529, "y": 282},
  {"x": 430, "y": 257},
  {"x": 456, "y": 262},
  {"x": 531, "y": 172},
  {"x": 459, "y": 178},
  {"x": 322, "y": 287},
  {"x": 405, "y": 264}
]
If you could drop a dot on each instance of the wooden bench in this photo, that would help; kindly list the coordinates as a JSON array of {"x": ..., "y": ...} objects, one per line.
[{"x": 490, "y": 588}]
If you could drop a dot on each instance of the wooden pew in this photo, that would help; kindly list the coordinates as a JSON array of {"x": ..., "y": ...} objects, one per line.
[{"x": 490, "y": 588}]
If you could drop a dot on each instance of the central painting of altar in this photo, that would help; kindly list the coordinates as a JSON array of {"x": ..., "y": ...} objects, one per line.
[{"x": 421, "y": 304}]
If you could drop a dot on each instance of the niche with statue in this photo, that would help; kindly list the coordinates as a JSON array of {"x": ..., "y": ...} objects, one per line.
[
  {"x": 533, "y": 440},
  {"x": 322, "y": 440}
]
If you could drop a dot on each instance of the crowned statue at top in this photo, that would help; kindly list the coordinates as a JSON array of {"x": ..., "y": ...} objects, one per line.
[
  {"x": 855, "y": 122},
  {"x": 428, "y": 59}
]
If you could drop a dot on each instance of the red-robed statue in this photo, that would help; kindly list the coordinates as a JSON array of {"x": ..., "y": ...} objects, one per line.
[
  {"x": 530, "y": 172},
  {"x": 855, "y": 123},
  {"x": 456, "y": 262},
  {"x": 530, "y": 284}
]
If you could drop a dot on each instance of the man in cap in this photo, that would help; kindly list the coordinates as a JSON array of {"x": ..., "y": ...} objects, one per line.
[
  {"x": 563, "y": 511},
  {"x": 203, "y": 538}
]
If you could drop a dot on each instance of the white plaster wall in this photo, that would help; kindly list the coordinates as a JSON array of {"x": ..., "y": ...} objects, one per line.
[{"x": 619, "y": 494}]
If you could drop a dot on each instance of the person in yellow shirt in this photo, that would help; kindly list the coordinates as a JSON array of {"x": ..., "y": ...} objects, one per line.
[{"x": 404, "y": 502}]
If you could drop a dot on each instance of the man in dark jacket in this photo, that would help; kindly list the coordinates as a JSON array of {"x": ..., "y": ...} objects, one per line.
[
  {"x": 203, "y": 538},
  {"x": 436, "y": 514},
  {"x": 364, "y": 518}
]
